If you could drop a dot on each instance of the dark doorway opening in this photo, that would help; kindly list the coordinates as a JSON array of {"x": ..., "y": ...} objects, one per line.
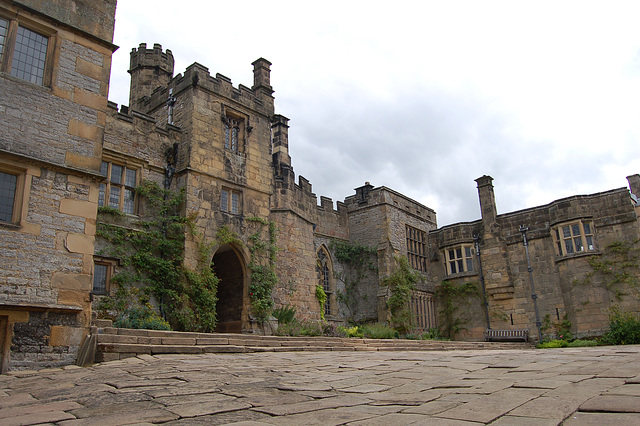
[{"x": 228, "y": 268}]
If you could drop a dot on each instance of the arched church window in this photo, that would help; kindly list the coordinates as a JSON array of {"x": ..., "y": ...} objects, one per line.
[{"x": 325, "y": 279}]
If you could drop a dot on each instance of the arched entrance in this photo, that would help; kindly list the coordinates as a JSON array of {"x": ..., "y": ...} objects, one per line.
[{"x": 228, "y": 268}]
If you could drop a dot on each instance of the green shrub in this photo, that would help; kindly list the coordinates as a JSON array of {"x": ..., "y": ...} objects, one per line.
[
  {"x": 142, "y": 318},
  {"x": 332, "y": 330},
  {"x": 285, "y": 314},
  {"x": 379, "y": 331},
  {"x": 290, "y": 329},
  {"x": 354, "y": 331},
  {"x": 300, "y": 328},
  {"x": 552, "y": 344},
  {"x": 582, "y": 343},
  {"x": 310, "y": 328},
  {"x": 624, "y": 328},
  {"x": 431, "y": 334}
]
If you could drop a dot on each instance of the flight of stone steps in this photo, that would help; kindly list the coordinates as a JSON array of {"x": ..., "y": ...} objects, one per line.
[{"x": 107, "y": 343}]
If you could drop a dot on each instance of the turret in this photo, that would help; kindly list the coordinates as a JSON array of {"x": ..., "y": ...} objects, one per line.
[{"x": 149, "y": 69}]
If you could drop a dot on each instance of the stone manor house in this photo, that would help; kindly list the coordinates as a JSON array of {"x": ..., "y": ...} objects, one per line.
[{"x": 65, "y": 151}]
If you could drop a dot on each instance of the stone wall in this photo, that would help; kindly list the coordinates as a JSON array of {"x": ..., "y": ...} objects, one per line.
[
  {"x": 564, "y": 284},
  {"x": 51, "y": 139}
]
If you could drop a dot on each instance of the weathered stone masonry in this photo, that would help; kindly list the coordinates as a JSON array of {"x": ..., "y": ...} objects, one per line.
[
  {"x": 51, "y": 140},
  {"x": 229, "y": 150}
]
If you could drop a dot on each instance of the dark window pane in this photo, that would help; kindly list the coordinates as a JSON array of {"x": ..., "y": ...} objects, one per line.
[
  {"x": 575, "y": 229},
  {"x": 129, "y": 198},
  {"x": 590, "y": 243},
  {"x": 114, "y": 197},
  {"x": 566, "y": 231},
  {"x": 116, "y": 174},
  {"x": 103, "y": 189},
  {"x": 28, "y": 58},
  {"x": 587, "y": 228},
  {"x": 8, "y": 183},
  {"x": 469, "y": 264},
  {"x": 4, "y": 24},
  {"x": 235, "y": 202},
  {"x": 224, "y": 201},
  {"x": 100, "y": 278},
  {"x": 569, "y": 246},
  {"x": 104, "y": 167},
  {"x": 130, "y": 179}
]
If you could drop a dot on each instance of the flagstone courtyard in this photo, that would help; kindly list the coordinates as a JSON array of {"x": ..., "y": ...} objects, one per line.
[{"x": 581, "y": 386}]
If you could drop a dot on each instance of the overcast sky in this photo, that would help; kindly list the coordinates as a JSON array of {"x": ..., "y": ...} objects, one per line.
[{"x": 425, "y": 96}]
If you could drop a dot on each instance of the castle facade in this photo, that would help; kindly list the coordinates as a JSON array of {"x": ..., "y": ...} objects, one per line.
[{"x": 67, "y": 156}]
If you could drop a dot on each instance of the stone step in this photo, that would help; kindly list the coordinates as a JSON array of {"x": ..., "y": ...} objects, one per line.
[{"x": 118, "y": 343}]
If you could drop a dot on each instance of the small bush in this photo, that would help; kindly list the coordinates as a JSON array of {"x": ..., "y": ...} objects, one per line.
[
  {"x": 431, "y": 334},
  {"x": 331, "y": 330},
  {"x": 354, "y": 331},
  {"x": 142, "y": 318},
  {"x": 624, "y": 328},
  {"x": 290, "y": 329},
  {"x": 552, "y": 344},
  {"x": 285, "y": 314},
  {"x": 379, "y": 331},
  {"x": 582, "y": 343}
]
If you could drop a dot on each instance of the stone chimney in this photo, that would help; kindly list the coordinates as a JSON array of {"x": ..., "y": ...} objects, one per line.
[
  {"x": 634, "y": 184},
  {"x": 280, "y": 131},
  {"x": 262, "y": 76},
  {"x": 487, "y": 200}
]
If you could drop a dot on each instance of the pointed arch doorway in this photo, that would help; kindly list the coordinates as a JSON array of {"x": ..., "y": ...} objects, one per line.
[{"x": 229, "y": 268}]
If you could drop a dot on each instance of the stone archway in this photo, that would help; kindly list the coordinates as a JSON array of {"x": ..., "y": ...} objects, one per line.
[{"x": 228, "y": 267}]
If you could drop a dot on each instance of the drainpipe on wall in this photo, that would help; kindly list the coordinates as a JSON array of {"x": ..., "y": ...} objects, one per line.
[
  {"x": 534, "y": 296},
  {"x": 485, "y": 301}
]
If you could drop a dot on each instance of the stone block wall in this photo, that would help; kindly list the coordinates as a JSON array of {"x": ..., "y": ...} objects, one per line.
[
  {"x": 564, "y": 285},
  {"x": 52, "y": 138}
]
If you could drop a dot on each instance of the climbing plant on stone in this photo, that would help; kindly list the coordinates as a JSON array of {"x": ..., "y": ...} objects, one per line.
[
  {"x": 616, "y": 268},
  {"x": 451, "y": 298},
  {"x": 401, "y": 284},
  {"x": 263, "y": 249},
  {"x": 360, "y": 260},
  {"x": 151, "y": 253}
]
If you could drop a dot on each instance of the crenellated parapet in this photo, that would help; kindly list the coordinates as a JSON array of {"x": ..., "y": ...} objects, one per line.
[
  {"x": 198, "y": 77},
  {"x": 138, "y": 138}
]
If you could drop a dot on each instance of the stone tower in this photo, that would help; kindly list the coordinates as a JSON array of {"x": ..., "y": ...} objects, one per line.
[{"x": 150, "y": 69}]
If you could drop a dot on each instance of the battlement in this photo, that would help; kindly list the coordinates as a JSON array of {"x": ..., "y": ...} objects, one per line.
[
  {"x": 154, "y": 58},
  {"x": 198, "y": 75},
  {"x": 367, "y": 196},
  {"x": 133, "y": 134}
]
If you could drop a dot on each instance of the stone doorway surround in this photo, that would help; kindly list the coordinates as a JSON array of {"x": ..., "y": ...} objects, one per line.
[{"x": 233, "y": 302}]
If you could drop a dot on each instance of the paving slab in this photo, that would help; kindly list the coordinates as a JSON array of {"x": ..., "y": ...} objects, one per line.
[
  {"x": 502, "y": 387},
  {"x": 600, "y": 419},
  {"x": 612, "y": 404}
]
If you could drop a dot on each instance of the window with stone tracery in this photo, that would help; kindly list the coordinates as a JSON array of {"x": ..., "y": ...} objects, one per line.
[
  {"x": 416, "y": 248},
  {"x": 459, "y": 259},
  {"x": 325, "y": 279},
  {"x": 117, "y": 190},
  {"x": 23, "y": 52},
  {"x": 573, "y": 238},
  {"x": 232, "y": 133}
]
